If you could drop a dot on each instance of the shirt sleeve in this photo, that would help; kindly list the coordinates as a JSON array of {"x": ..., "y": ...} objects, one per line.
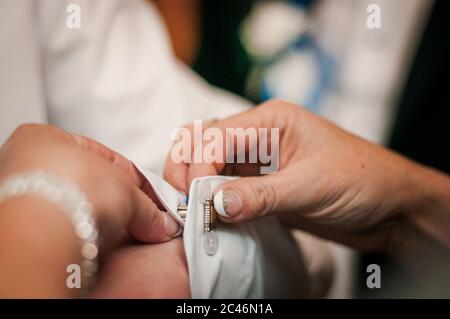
[
  {"x": 113, "y": 79},
  {"x": 257, "y": 259}
]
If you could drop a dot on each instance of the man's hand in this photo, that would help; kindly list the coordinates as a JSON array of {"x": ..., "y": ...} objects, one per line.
[
  {"x": 113, "y": 185},
  {"x": 118, "y": 193}
]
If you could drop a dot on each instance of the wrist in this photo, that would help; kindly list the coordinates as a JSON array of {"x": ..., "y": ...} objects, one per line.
[
  {"x": 424, "y": 210},
  {"x": 38, "y": 243},
  {"x": 431, "y": 214},
  {"x": 65, "y": 198}
]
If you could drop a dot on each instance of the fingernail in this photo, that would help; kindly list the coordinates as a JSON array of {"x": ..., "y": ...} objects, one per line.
[
  {"x": 171, "y": 227},
  {"x": 227, "y": 203}
]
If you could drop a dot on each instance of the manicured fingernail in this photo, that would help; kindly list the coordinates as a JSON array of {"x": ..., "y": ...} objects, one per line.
[
  {"x": 227, "y": 203},
  {"x": 171, "y": 227}
]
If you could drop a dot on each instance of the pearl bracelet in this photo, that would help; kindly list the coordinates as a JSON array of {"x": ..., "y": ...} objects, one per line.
[{"x": 73, "y": 202}]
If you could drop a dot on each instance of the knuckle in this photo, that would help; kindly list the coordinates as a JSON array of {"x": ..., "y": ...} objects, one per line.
[
  {"x": 280, "y": 104},
  {"x": 264, "y": 197},
  {"x": 281, "y": 112},
  {"x": 270, "y": 105}
]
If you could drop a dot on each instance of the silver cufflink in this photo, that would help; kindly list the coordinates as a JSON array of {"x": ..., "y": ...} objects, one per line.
[
  {"x": 209, "y": 212},
  {"x": 209, "y": 215},
  {"x": 182, "y": 211}
]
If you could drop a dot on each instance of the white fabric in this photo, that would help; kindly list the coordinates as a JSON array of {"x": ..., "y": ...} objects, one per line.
[
  {"x": 257, "y": 259},
  {"x": 113, "y": 79},
  {"x": 21, "y": 80},
  {"x": 166, "y": 193}
]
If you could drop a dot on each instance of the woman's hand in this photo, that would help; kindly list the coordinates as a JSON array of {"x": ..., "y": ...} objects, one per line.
[{"x": 330, "y": 183}]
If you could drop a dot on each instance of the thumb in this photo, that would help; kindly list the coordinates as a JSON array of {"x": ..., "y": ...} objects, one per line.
[
  {"x": 148, "y": 223},
  {"x": 248, "y": 198}
]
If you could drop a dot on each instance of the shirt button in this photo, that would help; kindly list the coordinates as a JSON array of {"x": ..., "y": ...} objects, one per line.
[{"x": 210, "y": 242}]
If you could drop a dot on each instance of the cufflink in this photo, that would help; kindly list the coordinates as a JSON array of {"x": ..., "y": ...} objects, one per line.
[
  {"x": 209, "y": 215},
  {"x": 182, "y": 211},
  {"x": 206, "y": 200},
  {"x": 182, "y": 207}
]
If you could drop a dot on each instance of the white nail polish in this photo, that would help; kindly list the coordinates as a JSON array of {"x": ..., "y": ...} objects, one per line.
[{"x": 219, "y": 204}]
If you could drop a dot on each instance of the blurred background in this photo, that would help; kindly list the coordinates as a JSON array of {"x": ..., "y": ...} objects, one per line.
[{"x": 383, "y": 80}]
